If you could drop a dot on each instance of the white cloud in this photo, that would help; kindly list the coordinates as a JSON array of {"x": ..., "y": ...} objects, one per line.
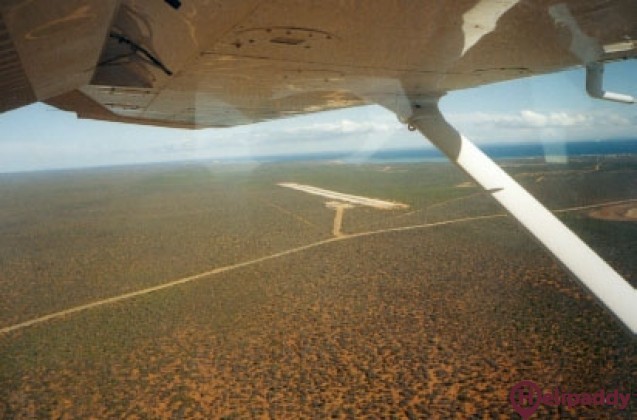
[
  {"x": 344, "y": 126},
  {"x": 532, "y": 119},
  {"x": 557, "y": 119},
  {"x": 533, "y": 125}
]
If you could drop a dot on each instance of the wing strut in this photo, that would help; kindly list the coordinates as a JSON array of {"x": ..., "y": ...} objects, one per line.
[{"x": 615, "y": 293}]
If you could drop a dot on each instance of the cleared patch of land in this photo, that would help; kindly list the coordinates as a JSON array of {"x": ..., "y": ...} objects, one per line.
[
  {"x": 349, "y": 198},
  {"x": 619, "y": 212},
  {"x": 407, "y": 322}
]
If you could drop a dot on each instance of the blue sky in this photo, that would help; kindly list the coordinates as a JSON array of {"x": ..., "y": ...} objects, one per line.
[{"x": 550, "y": 108}]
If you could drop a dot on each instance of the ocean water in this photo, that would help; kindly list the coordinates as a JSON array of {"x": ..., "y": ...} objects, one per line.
[{"x": 495, "y": 151}]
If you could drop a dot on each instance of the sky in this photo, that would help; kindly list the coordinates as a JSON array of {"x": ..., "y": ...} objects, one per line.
[{"x": 549, "y": 108}]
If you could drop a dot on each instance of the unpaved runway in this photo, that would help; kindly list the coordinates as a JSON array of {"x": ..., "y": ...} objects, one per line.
[{"x": 349, "y": 198}]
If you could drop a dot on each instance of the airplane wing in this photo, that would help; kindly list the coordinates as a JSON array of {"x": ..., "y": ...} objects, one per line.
[{"x": 222, "y": 63}]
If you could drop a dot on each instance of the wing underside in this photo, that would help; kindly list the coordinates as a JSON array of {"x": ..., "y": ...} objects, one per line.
[{"x": 224, "y": 63}]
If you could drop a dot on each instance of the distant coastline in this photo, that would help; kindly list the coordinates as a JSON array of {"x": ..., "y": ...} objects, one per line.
[
  {"x": 498, "y": 151},
  {"x": 430, "y": 154}
]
